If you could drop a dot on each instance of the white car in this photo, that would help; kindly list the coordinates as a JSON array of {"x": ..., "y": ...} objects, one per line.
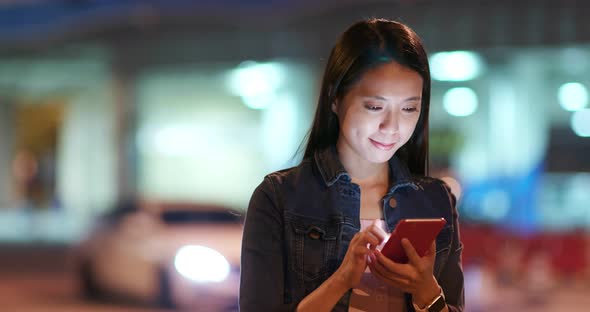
[{"x": 177, "y": 255}]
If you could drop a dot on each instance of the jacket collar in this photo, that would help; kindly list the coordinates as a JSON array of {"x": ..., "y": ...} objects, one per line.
[{"x": 331, "y": 169}]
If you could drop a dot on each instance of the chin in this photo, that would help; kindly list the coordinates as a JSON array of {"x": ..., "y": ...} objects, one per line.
[{"x": 380, "y": 157}]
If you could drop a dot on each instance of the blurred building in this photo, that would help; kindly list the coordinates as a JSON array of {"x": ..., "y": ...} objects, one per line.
[{"x": 198, "y": 100}]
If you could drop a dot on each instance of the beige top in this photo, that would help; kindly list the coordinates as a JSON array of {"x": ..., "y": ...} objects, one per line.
[{"x": 372, "y": 294}]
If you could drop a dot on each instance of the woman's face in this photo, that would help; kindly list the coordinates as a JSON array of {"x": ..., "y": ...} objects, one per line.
[{"x": 378, "y": 114}]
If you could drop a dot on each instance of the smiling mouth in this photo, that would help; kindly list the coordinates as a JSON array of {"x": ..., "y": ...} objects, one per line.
[{"x": 382, "y": 146}]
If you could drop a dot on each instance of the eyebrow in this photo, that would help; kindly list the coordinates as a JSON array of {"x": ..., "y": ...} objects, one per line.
[{"x": 377, "y": 97}]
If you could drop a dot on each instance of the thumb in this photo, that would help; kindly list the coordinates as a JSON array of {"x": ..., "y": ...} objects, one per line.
[{"x": 432, "y": 250}]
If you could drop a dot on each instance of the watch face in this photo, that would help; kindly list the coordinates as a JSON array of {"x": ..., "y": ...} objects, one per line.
[{"x": 438, "y": 305}]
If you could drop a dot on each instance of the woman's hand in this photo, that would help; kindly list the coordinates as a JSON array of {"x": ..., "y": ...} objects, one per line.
[
  {"x": 355, "y": 261},
  {"x": 416, "y": 277}
]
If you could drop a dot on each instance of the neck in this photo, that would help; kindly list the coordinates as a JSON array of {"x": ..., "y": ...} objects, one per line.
[
  {"x": 364, "y": 172},
  {"x": 379, "y": 177}
]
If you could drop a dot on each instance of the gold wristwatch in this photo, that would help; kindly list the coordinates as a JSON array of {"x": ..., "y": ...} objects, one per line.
[{"x": 437, "y": 305}]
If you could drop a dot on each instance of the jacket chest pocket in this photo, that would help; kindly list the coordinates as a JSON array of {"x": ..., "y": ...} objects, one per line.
[{"x": 313, "y": 247}]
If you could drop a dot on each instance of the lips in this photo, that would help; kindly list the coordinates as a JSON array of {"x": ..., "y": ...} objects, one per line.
[{"x": 382, "y": 146}]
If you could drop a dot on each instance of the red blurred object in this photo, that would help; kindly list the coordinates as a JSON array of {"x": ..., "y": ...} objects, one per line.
[{"x": 568, "y": 251}]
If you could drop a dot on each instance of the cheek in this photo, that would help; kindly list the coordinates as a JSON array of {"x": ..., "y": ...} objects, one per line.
[
  {"x": 356, "y": 124},
  {"x": 409, "y": 126}
]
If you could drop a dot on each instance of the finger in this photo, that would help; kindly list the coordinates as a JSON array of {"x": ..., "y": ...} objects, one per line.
[
  {"x": 360, "y": 250},
  {"x": 402, "y": 271},
  {"x": 432, "y": 250},
  {"x": 391, "y": 267},
  {"x": 378, "y": 232},
  {"x": 398, "y": 283},
  {"x": 380, "y": 269},
  {"x": 392, "y": 279},
  {"x": 375, "y": 270},
  {"x": 355, "y": 238},
  {"x": 413, "y": 256},
  {"x": 368, "y": 239},
  {"x": 361, "y": 239},
  {"x": 390, "y": 264}
]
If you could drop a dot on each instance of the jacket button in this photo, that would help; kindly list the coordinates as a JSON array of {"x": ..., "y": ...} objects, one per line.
[
  {"x": 314, "y": 234},
  {"x": 392, "y": 203}
]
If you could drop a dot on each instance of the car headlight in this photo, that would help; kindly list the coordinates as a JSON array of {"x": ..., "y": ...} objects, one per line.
[{"x": 201, "y": 264}]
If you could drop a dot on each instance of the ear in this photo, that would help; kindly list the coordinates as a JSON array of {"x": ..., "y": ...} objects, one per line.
[{"x": 334, "y": 107}]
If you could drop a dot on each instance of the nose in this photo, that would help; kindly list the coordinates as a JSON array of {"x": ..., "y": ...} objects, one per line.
[{"x": 389, "y": 124}]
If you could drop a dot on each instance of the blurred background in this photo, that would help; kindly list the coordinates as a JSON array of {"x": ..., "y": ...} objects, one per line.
[{"x": 133, "y": 133}]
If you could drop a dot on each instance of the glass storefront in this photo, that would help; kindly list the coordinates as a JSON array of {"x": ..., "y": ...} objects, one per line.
[
  {"x": 512, "y": 131},
  {"x": 210, "y": 133}
]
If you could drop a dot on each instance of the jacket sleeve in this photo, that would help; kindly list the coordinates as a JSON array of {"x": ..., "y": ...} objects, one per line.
[
  {"x": 451, "y": 277},
  {"x": 262, "y": 280}
]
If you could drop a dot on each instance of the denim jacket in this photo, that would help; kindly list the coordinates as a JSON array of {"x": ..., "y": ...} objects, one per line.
[{"x": 301, "y": 220}]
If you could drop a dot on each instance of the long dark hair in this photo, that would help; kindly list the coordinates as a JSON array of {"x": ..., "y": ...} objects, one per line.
[{"x": 363, "y": 46}]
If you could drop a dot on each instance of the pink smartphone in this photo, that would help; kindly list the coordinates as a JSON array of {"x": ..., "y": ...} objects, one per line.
[{"x": 420, "y": 232}]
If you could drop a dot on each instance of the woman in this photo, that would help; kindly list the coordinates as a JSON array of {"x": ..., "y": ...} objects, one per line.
[{"x": 313, "y": 232}]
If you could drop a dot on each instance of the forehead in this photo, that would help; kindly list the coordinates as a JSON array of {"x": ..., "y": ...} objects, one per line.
[{"x": 390, "y": 79}]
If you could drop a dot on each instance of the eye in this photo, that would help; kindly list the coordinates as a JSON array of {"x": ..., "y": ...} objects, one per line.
[
  {"x": 373, "y": 107},
  {"x": 411, "y": 109}
]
